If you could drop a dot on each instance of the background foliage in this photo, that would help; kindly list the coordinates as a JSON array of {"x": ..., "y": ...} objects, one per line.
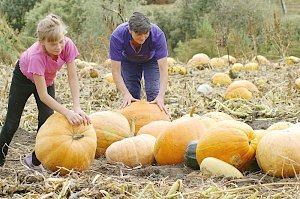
[{"x": 215, "y": 27}]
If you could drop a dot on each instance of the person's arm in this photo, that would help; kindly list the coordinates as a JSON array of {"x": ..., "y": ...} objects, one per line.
[
  {"x": 163, "y": 82},
  {"x": 116, "y": 72},
  {"x": 74, "y": 86},
  {"x": 41, "y": 87}
]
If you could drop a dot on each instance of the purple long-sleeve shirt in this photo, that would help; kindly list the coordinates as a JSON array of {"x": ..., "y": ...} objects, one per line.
[{"x": 155, "y": 45}]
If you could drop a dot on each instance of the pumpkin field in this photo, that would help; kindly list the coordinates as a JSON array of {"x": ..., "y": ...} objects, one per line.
[{"x": 235, "y": 105}]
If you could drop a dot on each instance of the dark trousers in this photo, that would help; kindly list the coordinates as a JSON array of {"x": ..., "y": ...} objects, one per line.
[
  {"x": 20, "y": 90},
  {"x": 132, "y": 74}
]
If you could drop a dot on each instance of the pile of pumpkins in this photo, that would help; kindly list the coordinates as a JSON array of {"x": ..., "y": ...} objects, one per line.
[
  {"x": 141, "y": 134},
  {"x": 175, "y": 68},
  {"x": 202, "y": 61}
]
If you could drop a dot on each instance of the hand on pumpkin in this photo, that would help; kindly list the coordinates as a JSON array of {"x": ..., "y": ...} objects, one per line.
[
  {"x": 127, "y": 99},
  {"x": 86, "y": 119},
  {"x": 159, "y": 100},
  {"x": 74, "y": 118}
]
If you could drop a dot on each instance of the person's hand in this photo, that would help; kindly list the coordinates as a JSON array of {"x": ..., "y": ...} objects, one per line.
[
  {"x": 74, "y": 118},
  {"x": 127, "y": 99},
  {"x": 86, "y": 119},
  {"x": 160, "y": 103}
]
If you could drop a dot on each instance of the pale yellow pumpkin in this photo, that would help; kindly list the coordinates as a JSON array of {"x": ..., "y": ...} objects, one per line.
[
  {"x": 278, "y": 152},
  {"x": 89, "y": 71},
  {"x": 144, "y": 113},
  {"x": 261, "y": 60},
  {"x": 217, "y": 62},
  {"x": 229, "y": 59},
  {"x": 171, "y": 61},
  {"x": 218, "y": 116},
  {"x": 291, "y": 60},
  {"x": 213, "y": 167},
  {"x": 154, "y": 128},
  {"x": 240, "y": 92},
  {"x": 251, "y": 66},
  {"x": 279, "y": 126},
  {"x": 297, "y": 82},
  {"x": 237, "y": 67},
  {"x": 260, "y": 133},
  {"x": 107, "y": 63},
  {"x": 132, "y": 151},
  {"x": 110, "y": 127},
  {"x": 63, "y": 147},
  {"x": 199, "y": 61},
  {"x": 221, "y": 79},
  {"x": 183, "y": 70},
  {"x": 242, "y": 83},
  {"x": 109, "y": 78},
  {"x": 81, "y": 64}
]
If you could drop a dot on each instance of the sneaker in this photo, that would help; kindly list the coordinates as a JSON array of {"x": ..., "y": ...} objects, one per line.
[{"x": 28, "y": 163}]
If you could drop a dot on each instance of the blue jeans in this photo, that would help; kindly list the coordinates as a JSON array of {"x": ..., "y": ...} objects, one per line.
[
  {"x": 132, "y": 74},
  {"x": 20, "y": 90}
]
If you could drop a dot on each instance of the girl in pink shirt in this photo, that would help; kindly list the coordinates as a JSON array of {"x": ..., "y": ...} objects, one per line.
[{"x": 35, "y": 73}]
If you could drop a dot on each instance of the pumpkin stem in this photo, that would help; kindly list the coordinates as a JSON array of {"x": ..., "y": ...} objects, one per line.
[
  {"x": 192, "y": 111},
  {"x": 77, "y": 136},
  {"x": 132, "y": 130}
]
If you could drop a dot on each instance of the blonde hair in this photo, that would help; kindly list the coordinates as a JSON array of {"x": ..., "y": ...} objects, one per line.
[{"x": 51, "y": 29}]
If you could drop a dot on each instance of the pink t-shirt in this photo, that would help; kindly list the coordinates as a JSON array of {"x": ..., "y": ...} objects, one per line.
[{"x": 35, "y": 61}]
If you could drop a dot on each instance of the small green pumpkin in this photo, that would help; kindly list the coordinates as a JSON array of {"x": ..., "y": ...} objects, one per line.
[{"x": 190, "y": 159}]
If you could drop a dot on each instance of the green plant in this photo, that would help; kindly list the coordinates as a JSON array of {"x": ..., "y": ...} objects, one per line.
[
  {"x": 10, "y": 44},
  {"x": 15, "y": 10}
]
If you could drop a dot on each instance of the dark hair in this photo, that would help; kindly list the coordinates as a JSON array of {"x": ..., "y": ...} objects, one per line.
[{"x": 139, "y": 23}]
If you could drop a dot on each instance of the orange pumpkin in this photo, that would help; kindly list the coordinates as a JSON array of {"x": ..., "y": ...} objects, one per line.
[
  {"x": 144, "y": 113},
  {"x": 62, "y": 145},
  {"x": 132, "y": 151},
  {"x": 231, "y": 141},
  {"x": 110, "y": 127},
  {"x": 170, "y": 146},
  {"x": 278, "y": 152},
  {"x": 154, "y": 128}
]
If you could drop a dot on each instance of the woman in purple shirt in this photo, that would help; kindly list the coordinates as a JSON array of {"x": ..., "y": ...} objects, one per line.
[
  {"x": 138, "y": 49},
  {"x": 35, "y": 73}
]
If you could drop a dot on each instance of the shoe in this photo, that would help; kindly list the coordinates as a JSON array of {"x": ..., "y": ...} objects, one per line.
[{"x": 28, "y": 163}]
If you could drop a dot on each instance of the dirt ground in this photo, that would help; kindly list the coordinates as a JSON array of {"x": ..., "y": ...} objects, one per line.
[{"x": 278, "y": 100}]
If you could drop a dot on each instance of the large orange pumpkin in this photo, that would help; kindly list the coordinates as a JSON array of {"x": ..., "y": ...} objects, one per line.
[
  {"x": 170, "y": 146},
  {"x": 132, "y": 151},
  {"x": 110, "y": 127},
  {"x": 231, "y": 141},
  {"x": 62, "y": 145},
  {"x": 144, "y": 113},
  {"x": 278, "y": 152}
]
